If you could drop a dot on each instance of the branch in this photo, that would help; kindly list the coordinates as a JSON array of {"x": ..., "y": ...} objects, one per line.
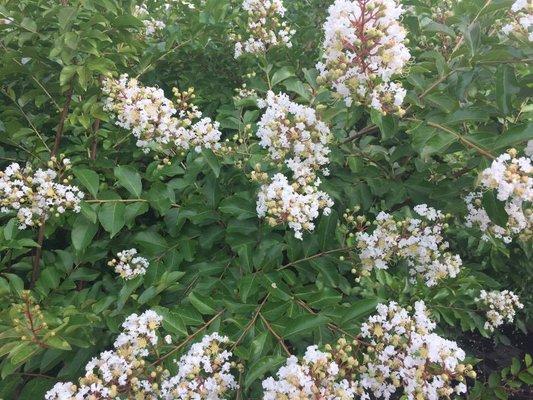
[
  {"x": 278, "y": 337},
  {"x": 62, "y": 118},
  {"x": 321, "y": 254},
  {"x": 463, "y": 140}
]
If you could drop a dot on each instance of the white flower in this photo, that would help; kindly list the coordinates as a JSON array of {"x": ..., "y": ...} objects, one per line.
[
  {"x": 122, "y": 368},
  {"x": 266, "y": 27},
  {"x": 128, "y": 266},
  {"x": 511, "y": 177},
  {"x": 293, "y": 134},
  {"x": 520, "y": 20},
  {"x": 500, "y": 307},
  {"x": 152, "y": 25},
  {"x": 35, "y": 196},
  {"x": 363, "y": 49},
  {"x": 316, "y": 375},
  {"x": 419, "y": 242},
  {"x": 203, "y": 372},
  {"x": 408, "y": 355},
  {"x": 294, "y": 204},
  {"x": 155, "y": 121}
]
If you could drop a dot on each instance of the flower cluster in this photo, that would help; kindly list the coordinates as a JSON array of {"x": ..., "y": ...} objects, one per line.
[
  {"x": 396, "y": 352},
  {"x": 292, "y": 133},
  {"x": 266, "y": 27},
  {"x": 128, "y": 265},
  {"x": 521, "y": 16},
  {"x": 35, "y": 195},
  {"x": 122, "y": 371},
  {"x": 157, "y": 122},
  {"x": 296, "y": 138},
  {"x": 151, "y": 25},
  {"x": 419, "y": 242},
  {"x": 281, "y": 201},
  {"x": 502, "y": 306},
  {"x": 126, "y": 373},
  {"x": 405, "y": 353},
  {"x": 321, "y": 375},
  {"x": 512, "y": 179},
  {"x": 204, "y": 372},
  {"x": 363, "y": 48}
]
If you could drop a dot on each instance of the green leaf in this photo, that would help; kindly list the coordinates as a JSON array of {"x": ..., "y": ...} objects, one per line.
[
  {"x": 66, "y": 74},
  {"x": 526, "y": 377},
  {"x": 304, "y": 324},
  {"x": 29, "y": 24},
  {"x": 473, "y": 37},
  {"x": 515, "y": 366},
  {"x": 495, "y": 208},
  {"x": 203, "y": 304},
  {"x": 88, "y": 178},
  {"x": 57, "y": 342},
  {"x": 82, "y": 233},
  {"x": 326, "y": 230},
  {"x": 111, "y": 216},
  {"x": 238, "y": 207},
  {"x": 506, "y": 87},
  {"x": 212, "y": 160},
  {"x": 258, "y": 369},
  {"x": 280, "y": 75},
  {"x": 129, "y": 179},
  {"x": 151, "y": 242},
  {"x": 360, "y": 308}
]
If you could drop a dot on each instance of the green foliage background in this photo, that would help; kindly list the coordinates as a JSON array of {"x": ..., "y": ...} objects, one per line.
[{"x": 214, "y": 264}]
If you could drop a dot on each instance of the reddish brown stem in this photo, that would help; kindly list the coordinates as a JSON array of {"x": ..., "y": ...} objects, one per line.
[
  {"x": 62, "y": 118},
  {"x": 94, "y": 145}
]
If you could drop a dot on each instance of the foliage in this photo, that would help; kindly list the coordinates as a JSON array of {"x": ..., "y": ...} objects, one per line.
[{"x": 214, "y": 265}]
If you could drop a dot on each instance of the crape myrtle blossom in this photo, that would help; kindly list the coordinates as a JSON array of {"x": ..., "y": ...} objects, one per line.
[
  {"x": 151, "y": 25},
  {"x": 397, "y": 354},
  {"x": 127, "y": 371},
  {"x": 266, "y": 27},
  {"x": 520, "y": 20},
  {"x": 121, "y": 372},
  {"x": 319, "y": 374},
  {"x": 36, "y": 195},
  {"x": 419, "y": 241},
  {"x": 511, "y": 178},
  {"x": 501, "y": 307},
  {"x": 293, "y": 134},
  {"x": 407, "y": 356},
  {"x": 297, "y": 139},
  {"x": 128, "y": 265},
  {"x": 204, "y": 372},
  {"x": 298, "y": 205},
  {"x": 157, "y": 122},
  {"x": 363, "y": 49}
]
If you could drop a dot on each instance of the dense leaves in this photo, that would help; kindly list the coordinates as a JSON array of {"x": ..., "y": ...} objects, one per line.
[{"x": 214, "y": 265}]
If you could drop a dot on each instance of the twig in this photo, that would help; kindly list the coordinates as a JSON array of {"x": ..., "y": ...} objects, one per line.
[
  {"x": 37, "y": 254},
  {"x": 321, "y": 254},
  {"x": 94, "y": 145},
  {"x": 62, "y": 118},
  {"x": 278, "y": 337},
  {"x": 251, "y": 322},
  {"x": 462, "y": 139}
]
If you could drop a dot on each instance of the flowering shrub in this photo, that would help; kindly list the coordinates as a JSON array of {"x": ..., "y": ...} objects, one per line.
[{"x": 242, "y": 199}]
